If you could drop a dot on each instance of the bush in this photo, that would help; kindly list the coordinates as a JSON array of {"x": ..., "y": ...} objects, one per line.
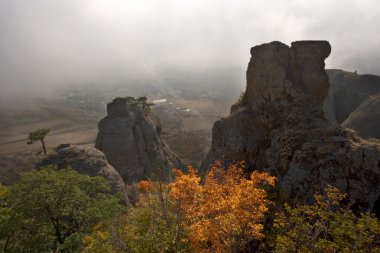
[
  {"x": 326, "y": 226},
  {"x": 242, "y": 100},
  {"x": 226, "y": 212},
  {"x": 150, "y": 226}
]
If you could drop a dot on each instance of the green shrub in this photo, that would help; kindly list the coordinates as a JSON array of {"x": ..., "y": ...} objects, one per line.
[{"x": 50, "y": 210}]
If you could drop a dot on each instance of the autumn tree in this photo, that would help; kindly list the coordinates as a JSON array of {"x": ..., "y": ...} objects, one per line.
[
  {"x": 224, "y": 213},
  {"x": 39, "y": 135},
  {"x": 50, "y": 210},
  {"x": 150, "y": 226},
  {"x": 326, "y": 226}
]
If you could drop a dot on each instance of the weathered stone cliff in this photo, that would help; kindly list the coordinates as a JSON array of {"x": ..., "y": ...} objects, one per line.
[
  {"x": 353, "y": 102},
  {"x": 365, "y": 119},
  {"x": 130, "y": 137},
  {"x": 347, "y": 91},
  {"x": 278, "y": 126}
]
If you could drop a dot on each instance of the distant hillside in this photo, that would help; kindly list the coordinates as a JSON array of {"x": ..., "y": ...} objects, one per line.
[
  {"x": 350, "y": 102},
  {"x": 366, "y": 118}
]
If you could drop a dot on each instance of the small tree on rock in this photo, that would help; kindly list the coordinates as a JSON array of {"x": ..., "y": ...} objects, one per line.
[{"x": 38, "y": 135}]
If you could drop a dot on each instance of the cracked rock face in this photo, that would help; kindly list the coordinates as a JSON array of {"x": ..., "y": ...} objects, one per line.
[
  {"x": 129, "y": 136},
  {"x": 279, "y": 127}
]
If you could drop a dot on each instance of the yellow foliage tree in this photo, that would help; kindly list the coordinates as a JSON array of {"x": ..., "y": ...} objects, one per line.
[
  {"x": 224, "y": 213},
  {"x": 149, "y": 227},
  {"x": 326, "y": 226},
  {"x": 99, "y": 241}
]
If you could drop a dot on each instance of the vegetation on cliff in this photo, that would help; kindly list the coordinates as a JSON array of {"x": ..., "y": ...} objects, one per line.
[
  {"x": 39, "y": 135},
  {"x": 52, "y": 210},
  {"x": 229, "y": 211}
]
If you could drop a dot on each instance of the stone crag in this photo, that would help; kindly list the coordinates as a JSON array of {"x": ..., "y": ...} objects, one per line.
[
  {"x": 347, "y": 92},
  {"x": 278, "y": 126},
  {"x": 130, "y": 138},
  {"x": 353, "y": 101},
  {"x": 85, "y": 160},
  {"x": 365, "y": 120}
]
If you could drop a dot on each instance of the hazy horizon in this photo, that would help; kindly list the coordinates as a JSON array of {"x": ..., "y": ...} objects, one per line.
[{"x": 45, "y": 44}]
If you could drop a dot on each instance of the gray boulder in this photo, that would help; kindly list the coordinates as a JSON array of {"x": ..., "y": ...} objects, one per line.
[{"x": 85, "y": 160}]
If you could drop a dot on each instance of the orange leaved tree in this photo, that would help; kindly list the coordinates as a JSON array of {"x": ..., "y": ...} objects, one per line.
[{"x": 224, "y": 213}]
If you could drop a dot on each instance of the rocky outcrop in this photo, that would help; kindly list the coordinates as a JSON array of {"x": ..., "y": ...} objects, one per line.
[
  {"x": 278, "y": 126},
  {"x": 130, "y": 137},
  {"x": 350, "y": 95},
  {"x": 85, "y": 160},
  {"x": 365, "y": 120},
  {"x": 347, "y": 92}
]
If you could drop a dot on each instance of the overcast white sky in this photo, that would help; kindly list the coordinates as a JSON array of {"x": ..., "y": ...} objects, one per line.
[{"x": 45, "y": 43}]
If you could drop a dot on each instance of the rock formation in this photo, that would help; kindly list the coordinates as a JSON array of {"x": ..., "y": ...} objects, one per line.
[
  {"x": 278, "y": 126},
  {"x": 130, "y": 138},
  {"x": 347, "y": 91},
  {"x": 365, "y": 120},
  {"x": 85, "y": 160},
  {"x": 351, "y": 102}
]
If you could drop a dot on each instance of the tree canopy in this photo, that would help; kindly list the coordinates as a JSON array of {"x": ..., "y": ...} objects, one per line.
[
  {"x": 50, "y": 210},
  {"x": 222, "y": 215},
  {"x": 328, "y": 225},
  {"x": 39, "y": 135}
]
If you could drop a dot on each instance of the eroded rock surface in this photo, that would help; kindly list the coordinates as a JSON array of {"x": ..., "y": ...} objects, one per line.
[
  {"x": 130, "y": 137},
  {"x": 85, "y": 160},
  {"x": 279, "y": 127}
]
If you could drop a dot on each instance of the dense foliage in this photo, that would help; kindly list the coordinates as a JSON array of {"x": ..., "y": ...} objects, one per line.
[
  {"x": 227, "y": 211},
  {"x": 326, "y": 226},
  {"x": 50, "y": 210},
  {"x": 223, "y": 214},
  {"x": 150, "y": 226}
]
